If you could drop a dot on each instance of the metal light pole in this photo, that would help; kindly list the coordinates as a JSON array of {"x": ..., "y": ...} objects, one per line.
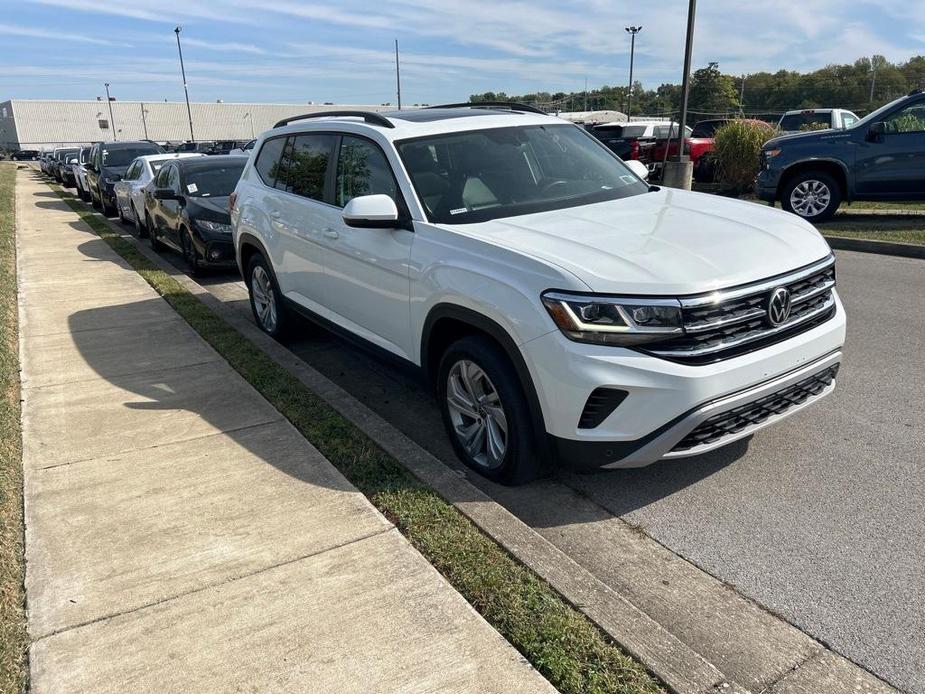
[
  {"x": 112, "y": 121},
  {"x": 397, "y": 75},
  {"x": 185, "y": 90},
  {"x": 679, "y": 170},
  {"x": 632, "y": 31},
  {"x": 144, "y": 122},
  {"x": 251, "y": 119}
]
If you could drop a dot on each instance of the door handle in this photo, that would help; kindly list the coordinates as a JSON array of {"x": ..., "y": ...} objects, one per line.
[{"x": 331, "y": 233}]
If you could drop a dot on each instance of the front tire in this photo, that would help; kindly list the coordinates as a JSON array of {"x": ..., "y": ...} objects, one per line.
[
  {"x": 139, "y": 225},
  {"x": 812, "y": 195},
  {"x": 190, "y": 256},
  {"x": 156, "y": 244},
  {"x": 96, "y": 200},
  {"x": 485, "y": 411},
  {"x": 270, "y": 312}
]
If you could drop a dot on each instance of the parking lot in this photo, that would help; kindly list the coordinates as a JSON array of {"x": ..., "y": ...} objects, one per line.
[{"x": 820, "y": 519}]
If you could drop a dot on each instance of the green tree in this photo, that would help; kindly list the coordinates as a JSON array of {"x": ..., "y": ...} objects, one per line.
[{"x": 712, "y": 92}]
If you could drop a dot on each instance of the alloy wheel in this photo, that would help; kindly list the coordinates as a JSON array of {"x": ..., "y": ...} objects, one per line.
[
  {"x": 810, "y": 198},
  {"x": 477, "y": 414},
  {"x": 264, "y": 299}
]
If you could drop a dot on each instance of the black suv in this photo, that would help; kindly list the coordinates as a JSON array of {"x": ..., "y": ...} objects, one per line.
[
  {"x": 881, "y": 157},
  {"x": 107, "y": 165}
]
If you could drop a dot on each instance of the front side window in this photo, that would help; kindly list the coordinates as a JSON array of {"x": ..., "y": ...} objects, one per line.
[
  {"x": 133, "y": 171},
  {"x": 848, "y": 119},
  {"x": 173, "y": 179},
  {"x": 212, "y": 183},
  {"x": 161, "y": 181},
  {"x": 362, "y": 169},
  {"x": 306, "y": 165},
  {"x": 907, "y": 120},
  {"x": 479, "y": 175}
]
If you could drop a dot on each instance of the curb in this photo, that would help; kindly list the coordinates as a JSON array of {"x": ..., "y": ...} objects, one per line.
[
  {"x": 682, "y": 668},
  {"x": 903, "y": 250}
]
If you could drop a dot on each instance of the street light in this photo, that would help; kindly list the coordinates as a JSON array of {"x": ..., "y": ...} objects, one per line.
[
  {"x": 632, "y": 31},
  {"x": 185, "y": 90},
  {"x": 112, "y": 121},
  {"x": 144, "y": 121},
  {"x": 251, "y": 119}
]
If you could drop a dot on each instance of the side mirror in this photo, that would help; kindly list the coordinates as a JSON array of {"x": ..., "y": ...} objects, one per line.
[
  {"x": 164, "y": 194},
  {"x": 371, "y": 212},
  {"x": 638, "y": 168},
  {"x": 875, "y": 131}
]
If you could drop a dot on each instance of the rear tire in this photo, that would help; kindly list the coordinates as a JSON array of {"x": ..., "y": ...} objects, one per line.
[
  {"x": 485, "y": 411},
  {"x": 812, "y": 195},
  {"x": 270, "y": 312},
  {"x": 95, "y": 200}
]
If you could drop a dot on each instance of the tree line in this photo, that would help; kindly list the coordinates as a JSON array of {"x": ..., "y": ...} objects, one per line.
[{"x": 860, "y": 87}]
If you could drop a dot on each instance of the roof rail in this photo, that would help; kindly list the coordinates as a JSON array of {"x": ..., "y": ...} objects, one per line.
[
  {"x": 512, "y": 105},
  {"x": 368, "y": 116}
]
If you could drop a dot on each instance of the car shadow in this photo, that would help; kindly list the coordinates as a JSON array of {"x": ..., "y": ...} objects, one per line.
[{"x": 154, "y": 381}]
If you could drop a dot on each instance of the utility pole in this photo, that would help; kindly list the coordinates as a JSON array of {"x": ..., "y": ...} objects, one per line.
[
  {"x": 632, "y": 31},
  {"x": 112, "y": 121},
  {"x": 742, "y": 96},
  {"x": 397, "y": 75},
  {"x": 586, "y": 94},
  {"x": 189, "y": 112},
  {"x": 144, "y": 122},
  {"x": 873, "y": 76}
]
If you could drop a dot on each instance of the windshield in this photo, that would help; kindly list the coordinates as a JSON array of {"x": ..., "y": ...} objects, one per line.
[
  {"x": 124, "y": 157},
  {"x": 877, "y": 115},
  {"x": 66, "y": 154},
  {"x": 478, "y": 175},
  {"x": 212, "y": 183}
]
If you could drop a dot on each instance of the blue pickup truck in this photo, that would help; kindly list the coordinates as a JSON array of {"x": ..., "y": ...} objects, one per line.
[{"x": 881, "y": 157}]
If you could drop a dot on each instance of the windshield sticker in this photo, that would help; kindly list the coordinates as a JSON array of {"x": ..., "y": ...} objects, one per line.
[
  {"x": 459, "y": 210},
  {"x": 627, "y": 179},
  {"x": 192, "y": 188}
]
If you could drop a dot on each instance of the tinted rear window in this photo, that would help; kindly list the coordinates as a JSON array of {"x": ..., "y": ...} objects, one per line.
[
  {"x": 797, "y": 121},
  {"x": 124, "y": 156}
]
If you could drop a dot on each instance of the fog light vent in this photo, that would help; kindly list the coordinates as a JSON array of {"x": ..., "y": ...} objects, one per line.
[{"x": 600, "y": 404}]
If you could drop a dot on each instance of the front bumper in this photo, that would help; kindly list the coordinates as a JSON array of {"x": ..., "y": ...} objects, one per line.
[
  {"x": 216, "y": 252},
  {"x": 665, "y": 400},
  {"x": 766, "y": 184}
]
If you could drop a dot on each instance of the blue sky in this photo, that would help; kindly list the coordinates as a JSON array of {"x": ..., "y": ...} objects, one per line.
[{"x": 292, "y": 51}]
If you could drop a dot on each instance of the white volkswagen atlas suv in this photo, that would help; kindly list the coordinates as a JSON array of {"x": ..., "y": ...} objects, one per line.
[{"x": 565, "y": 311}]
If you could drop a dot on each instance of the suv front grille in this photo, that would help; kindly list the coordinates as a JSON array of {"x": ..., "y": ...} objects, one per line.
[
  {"x": 728, "y": 323},
  {"x": 756, "y": 412}
]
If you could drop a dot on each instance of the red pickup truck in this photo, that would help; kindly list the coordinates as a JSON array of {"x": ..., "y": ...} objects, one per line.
[{"x": 698, "y": 144}]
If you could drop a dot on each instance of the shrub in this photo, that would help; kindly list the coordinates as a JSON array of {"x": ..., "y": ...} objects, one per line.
[{"x": 736, "y": 148}]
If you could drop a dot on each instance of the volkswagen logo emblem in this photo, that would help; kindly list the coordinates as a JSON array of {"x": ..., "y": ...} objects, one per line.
[{"x": 779, "y": 306}]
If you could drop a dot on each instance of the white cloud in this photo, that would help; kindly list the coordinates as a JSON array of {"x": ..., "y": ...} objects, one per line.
[{"x": 63, "y": 35}]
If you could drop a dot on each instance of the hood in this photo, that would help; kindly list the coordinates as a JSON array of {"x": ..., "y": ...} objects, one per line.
[
  {"x": 215, "y": 209},
  {"x": 802, "y": 137},
  {"x": 664, "y": 242}
]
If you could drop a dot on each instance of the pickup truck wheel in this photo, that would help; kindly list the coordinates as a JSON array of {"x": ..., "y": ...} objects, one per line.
[
  {"x": 270, "y": 312},
  {"x": 485, "y": 411},
  {"x": 812, "y": 195}
]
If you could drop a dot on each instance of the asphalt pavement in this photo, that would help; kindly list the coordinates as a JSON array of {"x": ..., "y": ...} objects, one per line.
[{"x": 820, "y": 519}]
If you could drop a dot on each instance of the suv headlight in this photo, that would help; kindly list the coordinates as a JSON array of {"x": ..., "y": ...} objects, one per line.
[
  {"x": 613, "y": 320},
  {"x": 215, "y": 227}
]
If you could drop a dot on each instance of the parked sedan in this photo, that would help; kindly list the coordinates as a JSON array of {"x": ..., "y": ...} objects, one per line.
[
  {"x": 186, "y": 208},
  {"x": 62, "y": 169},
  {"x": 130, "y": 199}
]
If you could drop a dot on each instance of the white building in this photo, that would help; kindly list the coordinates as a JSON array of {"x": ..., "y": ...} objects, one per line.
[{"x": 42, "y": 124}]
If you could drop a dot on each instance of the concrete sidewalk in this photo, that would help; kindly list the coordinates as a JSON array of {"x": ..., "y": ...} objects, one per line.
[{"x": 180, "y": 534}]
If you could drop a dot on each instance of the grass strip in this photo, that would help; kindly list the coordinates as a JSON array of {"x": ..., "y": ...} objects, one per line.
[
  {"x": 913, "y": 236},
  {"x": 560, "y": 642},
  {"x": 13, "y": 637}
]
